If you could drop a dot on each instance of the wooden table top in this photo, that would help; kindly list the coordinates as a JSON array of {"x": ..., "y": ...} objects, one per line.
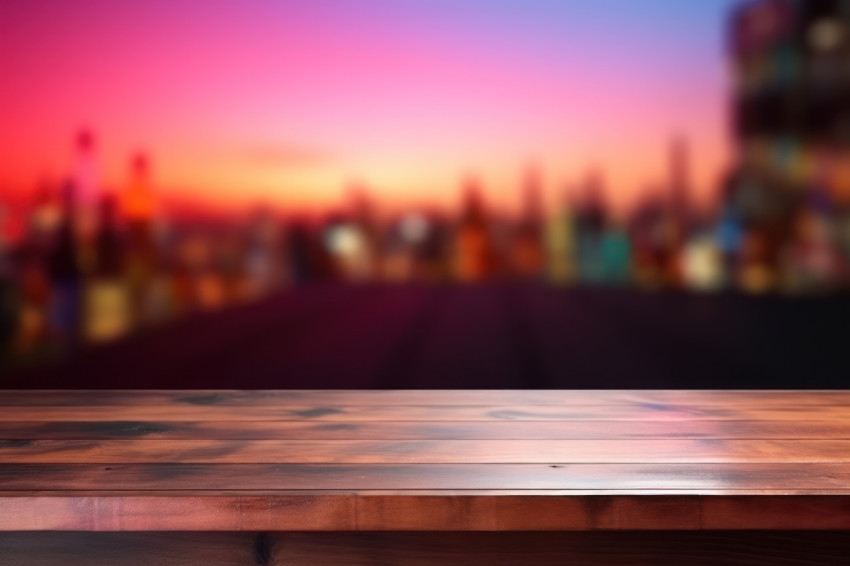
[{"x": 424, "y": 460}]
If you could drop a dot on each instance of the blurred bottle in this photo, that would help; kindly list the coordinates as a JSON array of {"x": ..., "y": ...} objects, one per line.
[
  {"x": 86, "y": 174},
  {"x": 145, "y": 285},
  {"x": 756, "y": 272},
  {"x": 65, "y": 272},
  {"x": 8, "y": 293},
  {"x": 615, "y": 251},
  {"x": 348, "y": 246},
  {"x": 306, "y": 253},
  {"x": 45, "y": 216},
  {"x": 591, "y": 219},
  {"x": 679, "y": 224},
  {"x": 404, "y": 241},
  {"x": 474, "y": 256},
  {"x": 527, "y": 253},
  {"x": 646, "y": 252},
  {"x": 86, "y": 180},
  {"x": 29, "y": 265},
  {"x": 729, "y": 230},
  {"x": 702, "y": 263},
  {"x": 840, "y": 183},
  {"x": 365, "y": 224},
  {"x": 208, "y": 269},
  {"x": 297, "y": 252},
  {"x": 107, "y": 309},
  {"x": 262, "y": 256},
  {"x": 670, "y": 247},
  {"x": 5, "y": 245},
  {"x": 560, "y": 244},
  {"x": 812, "y": 260},
  {"x": 109, "y": 248},
  {"x": 352, "y": 239},
  {"x": 182, "y": 275},
  {"x": 230, "y": 265},
  {"x": 432, "y": 234}
]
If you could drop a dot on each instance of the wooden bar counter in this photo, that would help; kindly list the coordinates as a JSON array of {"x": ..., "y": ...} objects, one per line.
[{"x": 424, "y": 477}]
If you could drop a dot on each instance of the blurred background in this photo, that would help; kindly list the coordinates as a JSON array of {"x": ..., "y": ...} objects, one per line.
[{"x": 425, "y": 194}]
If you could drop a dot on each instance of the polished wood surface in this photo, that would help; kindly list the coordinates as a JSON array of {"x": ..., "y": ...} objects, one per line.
[{"x": 424, "y": 460}]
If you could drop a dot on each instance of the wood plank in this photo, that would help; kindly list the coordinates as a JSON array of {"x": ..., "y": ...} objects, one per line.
[
  {"x": 663, "y": 548},
  {"x": 344, "y": 512},
  {"x": 298, "y": 512},
  {"x": 422, "y": 430},
  {"x": 497, "y": 461},
  {"x": 360, "y": 413},
  {"x": 423, "y": 451},
  {"x": 300, "y": 398},
  {"x": 733, "y": 479},
  {"x": 769, "y": 513}
]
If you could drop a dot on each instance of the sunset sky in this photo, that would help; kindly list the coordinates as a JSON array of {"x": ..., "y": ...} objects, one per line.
[{"x": 291, "y": 100}]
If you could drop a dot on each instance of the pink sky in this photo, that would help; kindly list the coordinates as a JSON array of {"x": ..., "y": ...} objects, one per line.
[{"x": 291, "y": 101}]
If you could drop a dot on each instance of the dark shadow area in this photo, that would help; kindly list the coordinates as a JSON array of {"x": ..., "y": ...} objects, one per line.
[{"x": 472, "y": 337}]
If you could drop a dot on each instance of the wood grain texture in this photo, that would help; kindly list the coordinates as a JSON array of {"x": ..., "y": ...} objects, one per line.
[
  {"x": 406, "y": 430},
  {"x": 661, "y": 548},
  {"x": 423, "y": 451},
  {"x": 838, "y": 414},
  {"x": 369, "y": 512},
  {"x": 331, "y": 511},
  {"x": 424, "y": 461},
  {"x": 696, "y": 478},
  {"x": 394, "y": 398}
]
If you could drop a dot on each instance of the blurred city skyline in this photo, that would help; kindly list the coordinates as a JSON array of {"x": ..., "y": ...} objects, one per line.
[{"x": 293, "y": 103}]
